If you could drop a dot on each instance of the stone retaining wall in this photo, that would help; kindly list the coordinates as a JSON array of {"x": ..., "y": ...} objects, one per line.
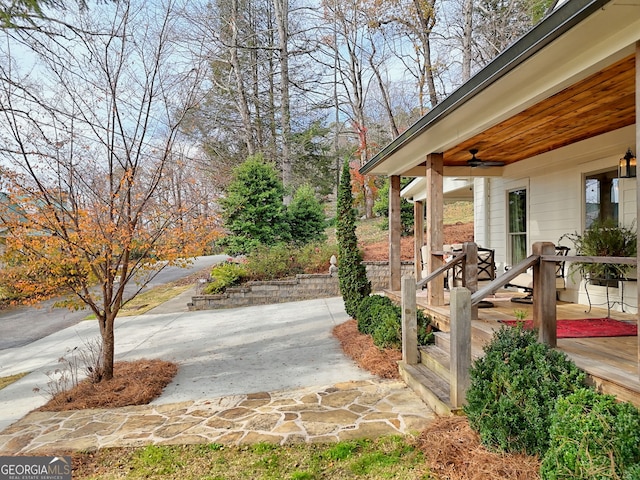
[
  {"x": 378, "y": 274},
  {"x": 302, "y": 287}
]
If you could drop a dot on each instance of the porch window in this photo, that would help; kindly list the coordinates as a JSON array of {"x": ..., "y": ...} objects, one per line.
[
  {"x": 601, "y": 197},
  {"x": 517, "y": 225}
]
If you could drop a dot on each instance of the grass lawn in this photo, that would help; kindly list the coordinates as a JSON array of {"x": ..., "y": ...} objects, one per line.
[
  {"x": 387, "y": 457},
  {"x": 4, "y": 381},
  {"x": 145, "y": 301}
]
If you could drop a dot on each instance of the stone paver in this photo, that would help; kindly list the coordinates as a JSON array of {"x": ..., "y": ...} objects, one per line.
[{"x": 345, "y": 411}]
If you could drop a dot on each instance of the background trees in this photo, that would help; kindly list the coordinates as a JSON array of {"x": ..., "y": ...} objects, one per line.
[
  {"x": 355, "y": 74},
  {"x": 352, "y": 74},
  {"x": 381, "y": 207}
]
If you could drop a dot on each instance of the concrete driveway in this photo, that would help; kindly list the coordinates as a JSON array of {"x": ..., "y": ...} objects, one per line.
[
  {"x": 219, "y": 352},
  {"x": 25, "y": 324}
]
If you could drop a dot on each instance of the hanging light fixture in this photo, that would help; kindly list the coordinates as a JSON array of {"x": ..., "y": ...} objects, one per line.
[{"x": 627, "y": 165}]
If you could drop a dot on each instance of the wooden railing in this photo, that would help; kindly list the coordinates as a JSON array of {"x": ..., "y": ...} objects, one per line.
[
  {"x": 464, "y": 300},
  {"x": 505, "y": 278},
  {"x": 458, "y": 258}
]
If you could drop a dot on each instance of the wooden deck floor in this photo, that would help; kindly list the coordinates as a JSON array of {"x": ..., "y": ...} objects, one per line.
[{"x": 612, "y": 363}]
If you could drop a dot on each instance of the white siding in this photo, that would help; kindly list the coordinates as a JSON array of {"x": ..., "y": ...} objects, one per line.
[
  {"x": 628, "y": 211},
  {"x": 554, "y": 183}
]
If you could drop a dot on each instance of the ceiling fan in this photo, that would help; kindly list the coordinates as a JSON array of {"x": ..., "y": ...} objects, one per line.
[{"x": 476, "y": 162}]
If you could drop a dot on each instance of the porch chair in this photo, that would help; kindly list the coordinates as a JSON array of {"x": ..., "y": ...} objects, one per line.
[
  {"x": 486, "y": 272},
  {"x": 524, "y": 281}
]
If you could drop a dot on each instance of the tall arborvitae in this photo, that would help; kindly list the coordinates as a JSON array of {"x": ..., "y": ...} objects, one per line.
[{"x": 354, "y": 285}]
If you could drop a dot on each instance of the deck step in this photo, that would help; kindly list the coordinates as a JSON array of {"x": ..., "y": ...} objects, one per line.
[
  {"x": 623, "y": 384},
  {"x": 442, "y": 341},
  {"x": 432, "y": 389},
  {"x": 436, "y": 359},
  {"x": 483, "y": 331}
]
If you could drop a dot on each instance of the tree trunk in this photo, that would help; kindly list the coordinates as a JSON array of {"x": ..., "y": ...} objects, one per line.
[
  {"x": 427, "y": 19},
  {"x": 281, "y": 10},
  {"x": 108, "y": 345},
  {"x": 383, "y": 91},
  {"x": 467, "y": 30},
  {"x": 242, "y": 102}
]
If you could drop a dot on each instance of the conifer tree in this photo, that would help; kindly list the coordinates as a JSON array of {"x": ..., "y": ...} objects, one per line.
[
  {"x": 252, "y": 209},
  {"x": 306, "y": 217},
  {"x": 354, "y": 285}
]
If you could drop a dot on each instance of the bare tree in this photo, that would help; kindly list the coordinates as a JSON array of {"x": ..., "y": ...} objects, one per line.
[
  {"x": 490, "y": 26},
  {"x": 353, "y": 76},
  {"x": 90, "y": 126}
]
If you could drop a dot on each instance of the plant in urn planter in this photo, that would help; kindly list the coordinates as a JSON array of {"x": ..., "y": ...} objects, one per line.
[{"x": 604, "y": 238}]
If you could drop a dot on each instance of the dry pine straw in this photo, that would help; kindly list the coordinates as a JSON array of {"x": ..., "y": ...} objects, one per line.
[
  {"x": 133, "y": 383},
  {"x": 452, "y": 449},
  {"x": 360, "y": 348}
]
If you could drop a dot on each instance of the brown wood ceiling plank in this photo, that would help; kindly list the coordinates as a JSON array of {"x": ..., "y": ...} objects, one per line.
[{"x": 600, "y": 103}]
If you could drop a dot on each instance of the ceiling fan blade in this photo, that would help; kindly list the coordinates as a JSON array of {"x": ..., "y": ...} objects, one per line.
[
  {"x": 476, "y": 162},
  {"x": 491, "y": 163}
]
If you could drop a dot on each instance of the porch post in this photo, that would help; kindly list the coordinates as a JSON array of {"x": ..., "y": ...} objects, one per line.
[
  {"x": 395, "y": 229},
  {"x": 460, "y": 338},
  {"x": 435, "y": 226},
  {"x": 470, "y": 272},
  {"x": 409, "y": 322},
  {"x": 418, "y": 237},
  {"x": 637, "y": 182},
  {"x": 544, "y": 295}
]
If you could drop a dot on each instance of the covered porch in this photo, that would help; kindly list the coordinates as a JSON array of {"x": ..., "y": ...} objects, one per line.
[{"x": 554, "y": 110}]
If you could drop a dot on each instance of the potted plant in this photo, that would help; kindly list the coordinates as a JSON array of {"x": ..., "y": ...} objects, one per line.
[{"x": 604, "y": 238}]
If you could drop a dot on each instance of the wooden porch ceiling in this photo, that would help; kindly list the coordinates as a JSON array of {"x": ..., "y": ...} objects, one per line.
[{"x": 603, "y": 102}]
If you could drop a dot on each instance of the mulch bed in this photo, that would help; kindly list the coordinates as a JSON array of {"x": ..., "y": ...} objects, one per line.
[
  {"x": 360, "y": 347},
  {"x": 454, "y": 452},
  {"x": 133, "y": 383}
]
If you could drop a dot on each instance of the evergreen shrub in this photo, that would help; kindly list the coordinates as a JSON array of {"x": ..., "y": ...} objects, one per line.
[
  {"x": 306, "y": 217},
  {"x": 379, "y": 317},
  {"x": 593, "y": 437},
  {"x": 513, "y": 391},
  {"x": 388, "y": 329},
  {"x": 225, "y": 275},
  {"x": 252, "y": 208},
  {"x": 368, "y": 312},
  {"x": 632, "y": 473},
  {"x": 425, "y": 330}
]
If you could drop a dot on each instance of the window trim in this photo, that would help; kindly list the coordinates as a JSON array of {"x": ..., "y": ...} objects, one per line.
[
  {"x": 508, "y": 233},
  {"x": 583, "y": 189}
]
